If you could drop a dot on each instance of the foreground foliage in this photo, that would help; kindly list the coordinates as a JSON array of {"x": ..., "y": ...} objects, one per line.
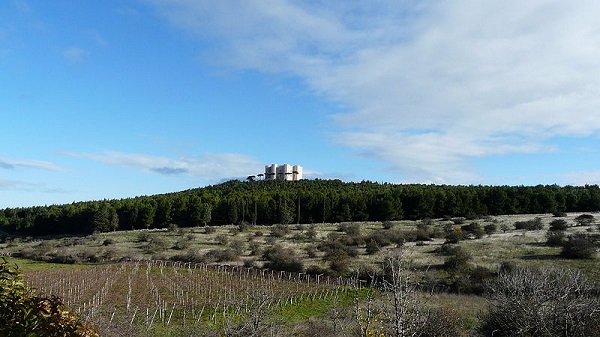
[{"x": 23, "y": 313}]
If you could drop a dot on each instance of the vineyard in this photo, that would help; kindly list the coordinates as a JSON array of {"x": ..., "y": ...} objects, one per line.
[{"x": 153, "y": 296}]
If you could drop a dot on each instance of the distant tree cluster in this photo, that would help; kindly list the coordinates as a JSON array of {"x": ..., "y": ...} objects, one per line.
[{"x": 306, "y": 201}]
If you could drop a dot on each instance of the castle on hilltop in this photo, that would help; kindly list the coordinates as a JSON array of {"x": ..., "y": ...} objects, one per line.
[{"x": 283, "y": 172}]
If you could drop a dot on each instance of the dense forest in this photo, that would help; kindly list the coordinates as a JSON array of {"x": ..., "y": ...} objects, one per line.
[{"x": 306, "y": 201}]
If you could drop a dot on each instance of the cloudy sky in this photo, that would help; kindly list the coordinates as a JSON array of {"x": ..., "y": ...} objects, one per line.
[{"x": 112, "y": 99}]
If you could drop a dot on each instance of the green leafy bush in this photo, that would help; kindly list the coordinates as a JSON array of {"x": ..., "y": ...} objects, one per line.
[
  {"x": 23, "y": 313},
  {"x": 559, "y": 225},
  {"x": 534, "y": 224},
  {"x": 579, "y": 246},
  {"x": 458, "y": 260},
  {"x": 585, "y": 220},
  {"x": 555, "y": 238},
  {"x": 490, "y": 228},
  {"x": 279, "y": 258}
]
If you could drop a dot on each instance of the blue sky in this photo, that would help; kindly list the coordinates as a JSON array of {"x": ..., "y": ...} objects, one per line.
[{"x": 113, "y": 99}]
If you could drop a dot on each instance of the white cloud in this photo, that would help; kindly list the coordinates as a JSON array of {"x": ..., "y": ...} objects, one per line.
[
  {"x": 211, "y": 167},
  {"x": 74, "y": 54},
  {"x": 427, "y": 85},
  {"x": 14, "y": 164}
]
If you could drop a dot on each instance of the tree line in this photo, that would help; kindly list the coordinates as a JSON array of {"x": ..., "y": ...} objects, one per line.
[{"x": 268, "y": 202}]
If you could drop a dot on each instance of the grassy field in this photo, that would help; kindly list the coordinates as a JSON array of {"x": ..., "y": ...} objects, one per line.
[
  {"x": 162, "y": 281},
  {"x": 159, "y": 297}
]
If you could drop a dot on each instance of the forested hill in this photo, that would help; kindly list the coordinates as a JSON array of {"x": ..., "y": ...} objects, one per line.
[{"x": 305, "y": 201}]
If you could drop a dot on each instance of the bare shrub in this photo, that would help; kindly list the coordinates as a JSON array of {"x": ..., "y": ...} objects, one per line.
[
  {"x": 545, "y": 302},
  {"x": 404, "y": 314}
]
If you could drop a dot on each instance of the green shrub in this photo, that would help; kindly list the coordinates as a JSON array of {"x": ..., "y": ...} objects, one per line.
[
  {"x": 387, "y": 224},
  {"x": 144, "y": 237},
  {"x": 22, "y": 313},
  {"x": 458, "y": 260},
  {"x": 255, "y": 248},
  {"x": 558, "y": 225},
  {"x": 311, "y": 251},
  {"x": 380, "y": 238},
  {"x": 534, "y": 224},
  {"x": 183, "y": 243},
  {"x": 243, "y": 226},
  {"x": 280, "y": 231},
  {"x": 339, "y": 262},
  {"x": 191, "y": 255},
  {"x": 279, "y": 258},
  {"x": 585, "y": 220},
  {"x": 310, "y": 233},
  {"x": 490, "y": 228},
  {"x": 238, "y": 246},
  {"x": 372, "y": 247},
  {"x": 455, "y": 235},
  {"x": 555, "y": 238},
  {"x": 221, "y": 255},
  {"x": 351, "y": 229},
  {"x": 579, "y": 246},
  {"x": 474, "y": 228},
  {"x": 157, "y": 244},
  {"x": 222, "y": 239},
  {"x": 443, "y": 321}
]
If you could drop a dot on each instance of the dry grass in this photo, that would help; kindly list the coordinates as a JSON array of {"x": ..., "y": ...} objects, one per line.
[{"x": 519, "y": 246}]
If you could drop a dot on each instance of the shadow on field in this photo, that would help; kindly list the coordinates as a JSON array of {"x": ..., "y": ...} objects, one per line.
[{"x": 538, "y": 257}]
